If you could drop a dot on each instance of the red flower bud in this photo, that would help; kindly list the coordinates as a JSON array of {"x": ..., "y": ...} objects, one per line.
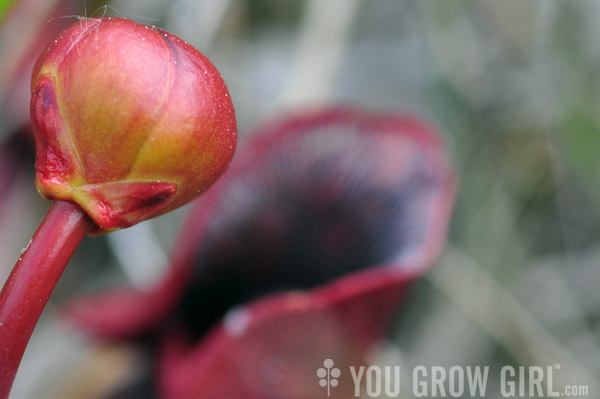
[{"x": 130, "y": 121}]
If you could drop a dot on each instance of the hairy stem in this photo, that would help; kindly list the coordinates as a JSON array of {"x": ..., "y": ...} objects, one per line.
[{"x": 32, "y": 281}]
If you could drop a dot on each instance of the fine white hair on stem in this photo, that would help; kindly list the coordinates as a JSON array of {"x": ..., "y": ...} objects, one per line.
[
  {"x": 105, "y": 7},
  {"x": 79, "y": 17},
  {"x": 121, "y": 13}
]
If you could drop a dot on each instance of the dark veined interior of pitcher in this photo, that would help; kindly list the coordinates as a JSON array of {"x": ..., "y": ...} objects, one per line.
[{"x": 315, "y": 206}]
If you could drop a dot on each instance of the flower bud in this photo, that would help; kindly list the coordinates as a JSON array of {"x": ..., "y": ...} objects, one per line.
[{"x": 130, "y": 121}]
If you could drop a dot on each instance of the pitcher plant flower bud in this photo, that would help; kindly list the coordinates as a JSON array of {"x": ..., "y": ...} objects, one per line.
[{"x": 130, "y": 121}]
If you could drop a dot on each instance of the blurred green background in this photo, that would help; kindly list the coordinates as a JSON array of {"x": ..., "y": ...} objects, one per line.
[{"x": 514, "y": 88}]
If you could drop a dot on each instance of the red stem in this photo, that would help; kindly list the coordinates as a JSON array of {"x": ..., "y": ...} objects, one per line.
[{"x": 33, "y": 279}]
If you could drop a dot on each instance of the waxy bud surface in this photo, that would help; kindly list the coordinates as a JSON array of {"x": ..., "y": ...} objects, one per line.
[{"x": 130, "y": 121}]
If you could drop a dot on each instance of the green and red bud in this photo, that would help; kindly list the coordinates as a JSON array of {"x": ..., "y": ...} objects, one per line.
[{"x": 130, "y": 121}]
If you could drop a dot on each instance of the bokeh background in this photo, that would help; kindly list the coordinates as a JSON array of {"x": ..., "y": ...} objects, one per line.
[{"x": 514, "y": 88}]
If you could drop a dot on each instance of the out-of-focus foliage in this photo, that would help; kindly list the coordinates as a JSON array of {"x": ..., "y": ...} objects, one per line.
[{"x": 4, "y": 5}]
